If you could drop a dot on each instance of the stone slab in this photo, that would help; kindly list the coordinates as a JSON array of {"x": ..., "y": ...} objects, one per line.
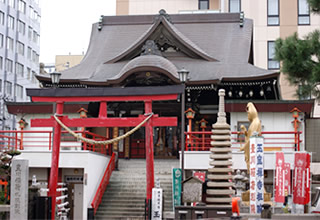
[
  {"x": 221, "y": 156},
  {"x": 220, "y": 170},
  {"x": 221, "y": 143},
  {"x": 19, "y": 189}
]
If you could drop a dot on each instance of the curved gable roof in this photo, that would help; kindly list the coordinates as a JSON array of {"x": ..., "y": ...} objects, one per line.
[{"x": 180, "y": 39}]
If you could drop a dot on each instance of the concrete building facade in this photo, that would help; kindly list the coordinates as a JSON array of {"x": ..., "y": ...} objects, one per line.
[
  {"x": 272, "y": 19},
  {"x": 19, "y": 53}
]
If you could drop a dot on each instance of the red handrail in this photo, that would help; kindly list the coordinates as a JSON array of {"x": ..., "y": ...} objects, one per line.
[
  {"x": 103, "y": 184},
  {"x": 200, "y": 140}
]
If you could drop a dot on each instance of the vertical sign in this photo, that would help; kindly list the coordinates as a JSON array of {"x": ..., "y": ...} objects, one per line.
[
  {"x": 301, "y": 185},
  {"x": 19, "y": 189},
  {"x": 280, "y": 178},
  {"x": 156, "y": 204},
  {"x": 176, "y": 186},
  {"x": 287, "y": 179},
  {"x": 256, "y": 174}
]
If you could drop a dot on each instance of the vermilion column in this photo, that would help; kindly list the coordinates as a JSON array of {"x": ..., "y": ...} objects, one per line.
[
  {"x": 149, "y": 150},
  {"x": 55, "y": 159}
]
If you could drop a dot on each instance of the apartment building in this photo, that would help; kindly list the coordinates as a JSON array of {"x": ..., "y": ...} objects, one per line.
[
  {"x": 19, "y": 53},
  {"x": 272, "y": 19}
]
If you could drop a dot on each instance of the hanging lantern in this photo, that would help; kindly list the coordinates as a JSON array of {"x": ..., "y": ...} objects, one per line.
[
  {"x": 83, "y": 113},
  {"x": 190, "y": 113}
]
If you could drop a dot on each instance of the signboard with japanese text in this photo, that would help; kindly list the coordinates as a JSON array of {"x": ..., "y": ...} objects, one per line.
[
  {"x": 176, "y": 186},
  {"x": 280, "y": 178},
  {"x": 156, "y": 204},
  {"x": 256, "y": 174},
  {"x": 301, "y": 184}
]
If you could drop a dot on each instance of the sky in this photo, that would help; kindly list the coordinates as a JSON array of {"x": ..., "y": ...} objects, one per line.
[{"x": 66, "y": 25}]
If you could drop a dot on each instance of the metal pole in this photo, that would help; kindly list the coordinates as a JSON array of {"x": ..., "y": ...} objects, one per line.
[{"x": 182, "y": 129}]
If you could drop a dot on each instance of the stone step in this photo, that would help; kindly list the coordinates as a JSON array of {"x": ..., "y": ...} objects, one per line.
[
  {"x": 219, "y": 177},
  {"x": 138, "y": 209},
  {"x": 221, "y": 131},
  {"x": 220, "y": 149},
  {"x": 219, "y": 200},
  {"x": 220, "y": 156},
  {"x": 220, "y": 170},
  {"x": 220, "y": 184},
  {"x": 112, "y": 217},
  {"x": 121, "y": 213},
  {"x": 220, "y": 192},
  {"x": 221, "y": 163}
]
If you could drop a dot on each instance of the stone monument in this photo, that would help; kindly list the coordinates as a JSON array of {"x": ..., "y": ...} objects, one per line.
[
  {"x": 219, "y": 176},
  {"x": 19, "y": 189}
]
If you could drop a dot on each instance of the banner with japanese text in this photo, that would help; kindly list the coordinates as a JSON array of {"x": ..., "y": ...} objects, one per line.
[
  {"x": 256, "y": 174},
  {"x": 287, "y": 179},
  {"x": 301, "y": 184},
  {"x": 280, "y": 178},
  {"x": 176, "y": 186}
]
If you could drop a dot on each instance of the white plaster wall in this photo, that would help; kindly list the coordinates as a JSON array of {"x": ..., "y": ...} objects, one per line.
[
  {"x": 154, "y": 6},
  {"x": 93, "y": 164},
  {"x": 199, "y": 160}
]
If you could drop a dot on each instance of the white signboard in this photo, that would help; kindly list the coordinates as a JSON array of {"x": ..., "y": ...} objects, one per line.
[
  {"x": 156, "y": 204},
  {"x": 256, "y": 174}
]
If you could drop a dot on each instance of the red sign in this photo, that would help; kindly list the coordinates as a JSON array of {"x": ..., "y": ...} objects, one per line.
[
  {"x": 200, "y": 175},
  {"x": 301, "y": 185},
  {"x": 287, "y": 179},
  {"x": 280, "y": 182}
]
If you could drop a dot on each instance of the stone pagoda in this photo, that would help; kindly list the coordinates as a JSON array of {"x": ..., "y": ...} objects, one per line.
[{"x": 219, "y": 186}]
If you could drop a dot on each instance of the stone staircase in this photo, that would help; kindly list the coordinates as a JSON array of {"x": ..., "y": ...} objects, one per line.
[{"x": 126, "y": 192}]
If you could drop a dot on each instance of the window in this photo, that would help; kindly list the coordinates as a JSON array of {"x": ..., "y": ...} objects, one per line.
[
  {"x": 273, "y": 12},
  {"x": 272, "y": 64},
  {"x": 28, "y": 73},
  {"x": 11, "y": 3},
  {"x": 34, "y": 56},
  {"x": 34, "y": 80},
  {"x": 35, "y": 37},
  {"x": 21, "y": 27},
  {"x": 1, "y": 18},
  {"x": 9, "y": 65},
  {"x": 29, "y": 33},
  {"x": 29, "y": 53},
  {"x": 9, "y": 43},
  {"x": 8, "y": 87},
  {"x": 10, "y": 22},
  {"x": 31, "y": 12},
  {"x": 1, "y": 64},
  {"x": 234, "y": 5},
  {"x": 1, "y": 40},
  {"x": 20, "y": 48},
  {"x": 203, "y": 4},
  {"x": 22, "y": 6},
  {"x": 19, "y": 91},
  {"x": 19, "y": 69},
  {"x": 303, "y": 12}
]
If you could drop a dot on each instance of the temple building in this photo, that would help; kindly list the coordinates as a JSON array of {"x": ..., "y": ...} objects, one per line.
[{"x": 130, "y": 74}]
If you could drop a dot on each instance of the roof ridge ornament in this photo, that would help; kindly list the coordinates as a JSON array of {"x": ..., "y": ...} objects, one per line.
[
  {"x": 162, "y": 15},
  {"x": 150, "y": 48}
]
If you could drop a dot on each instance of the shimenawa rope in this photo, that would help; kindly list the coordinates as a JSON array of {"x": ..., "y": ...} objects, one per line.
[{"x": 90, "y": 141}]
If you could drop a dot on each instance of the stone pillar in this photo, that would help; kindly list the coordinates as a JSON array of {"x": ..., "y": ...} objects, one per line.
[{"x": 19, "y": 189}]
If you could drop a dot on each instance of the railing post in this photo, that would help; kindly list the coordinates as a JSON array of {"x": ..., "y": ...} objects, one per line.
[
  {"x": 298, "y": 140},
  {"x": 50, "y": 140},
  {"x": 16, "y": 142}
]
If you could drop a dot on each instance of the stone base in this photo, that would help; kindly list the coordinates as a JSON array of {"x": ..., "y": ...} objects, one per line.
[{"x": 196, "y": 212}]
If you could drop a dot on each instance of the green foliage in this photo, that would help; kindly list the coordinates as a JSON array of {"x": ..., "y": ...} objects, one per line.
[
  {"x": 314, "y": 5},
  {"x": 300, "y": 62}
]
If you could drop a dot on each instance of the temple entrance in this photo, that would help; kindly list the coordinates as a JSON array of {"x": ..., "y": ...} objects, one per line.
[{"x": 164, "y": 143}]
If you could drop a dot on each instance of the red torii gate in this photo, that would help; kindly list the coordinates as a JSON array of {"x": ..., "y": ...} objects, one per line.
[{"x": 155, "y": 94}]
